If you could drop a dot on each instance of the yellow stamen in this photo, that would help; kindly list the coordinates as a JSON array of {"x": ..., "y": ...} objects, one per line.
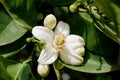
[{"x": 60, "y": 39}]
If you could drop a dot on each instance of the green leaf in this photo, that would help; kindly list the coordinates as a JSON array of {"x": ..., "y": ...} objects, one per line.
[
  {"x": 59, "y": 2},
  {"x": 16, "y": 69},
  {"x": 111, "y": 10},
  {"x": 25, "y": 73},
  {"x": 94, "y": 64},
  {"x": 4, "y": 75},
  {"x": 100, "y": 55},
  {"x": 9, "y": 29},
  {"x": 13, "y": 48},
  {"x": 22, "y": 11},
  {"x": 107, "y": 31}
]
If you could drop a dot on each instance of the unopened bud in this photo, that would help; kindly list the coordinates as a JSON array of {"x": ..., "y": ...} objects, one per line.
[
  {"x": 43, "y": 70},
  {"x": 74, "y": 7},
  {"x": 58, "y": 65},
  {"x": 28, "y": 40},
  {"x": 50, "y": 21},
  {"x": 42, "y": 42}
]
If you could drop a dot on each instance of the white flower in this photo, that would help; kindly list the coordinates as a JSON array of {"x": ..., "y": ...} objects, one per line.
[
  {"x": 70, "y": 48},
  {"x": 43, "y": 70}
]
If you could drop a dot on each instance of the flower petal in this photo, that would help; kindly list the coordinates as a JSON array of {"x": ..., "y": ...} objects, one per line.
[
  {"x": 75, "y": 39},
  {"x": 50, "y": 21},
  {"x": 69, "y": 56},
  {"x": 77, "y": 43},
  {"x": 48, "y": 55},
  {"x": 80, "y": 51},
  {"x": 62, "y": 28},
  {"x": 43, "y": 70},
  {"x": 43, "y": 33}
]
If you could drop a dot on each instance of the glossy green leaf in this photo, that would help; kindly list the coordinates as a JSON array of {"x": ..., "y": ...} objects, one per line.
[
  {"x": 111, "y": 10},
  {"x": 100, "y": 55},
  {"x": 13, "y": 48},
  {"x": 9, "y": 29},
  {"x": 107, "y": 31},
  {"x": 25, "y": 73},
  {"x": 22, "y": 11},
  {"x": 94, "y": 64},
  {"x": 4, "y": 75},
  {"x": 16, "y": 69}
]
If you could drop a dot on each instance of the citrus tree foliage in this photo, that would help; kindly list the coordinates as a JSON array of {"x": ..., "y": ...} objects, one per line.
[{"x": 97, "y": 21}]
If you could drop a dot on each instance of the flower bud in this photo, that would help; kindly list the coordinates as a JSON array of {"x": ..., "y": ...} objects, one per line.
[
  {"x": 28, "y": 40},
  {"x": 43, "y": 70},
  {"x": 73, "y": 8},
  {"x": 42, "y": 42},
  {"x": 50, "y": 21},
  {"x": 58, "y": 65}
]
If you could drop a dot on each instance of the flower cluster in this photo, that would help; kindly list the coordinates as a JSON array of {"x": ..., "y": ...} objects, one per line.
[{"x": 58, "y": 43}]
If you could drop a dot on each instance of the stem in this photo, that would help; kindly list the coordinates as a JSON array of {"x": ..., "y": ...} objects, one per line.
[
  {"x": 21, "y": 67},
  {"x": 107, "y": 29},
  {"x": 33, "y": 78},
  {"x": 102, "y": 20},
  {"x": 57, "y": 72}
]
